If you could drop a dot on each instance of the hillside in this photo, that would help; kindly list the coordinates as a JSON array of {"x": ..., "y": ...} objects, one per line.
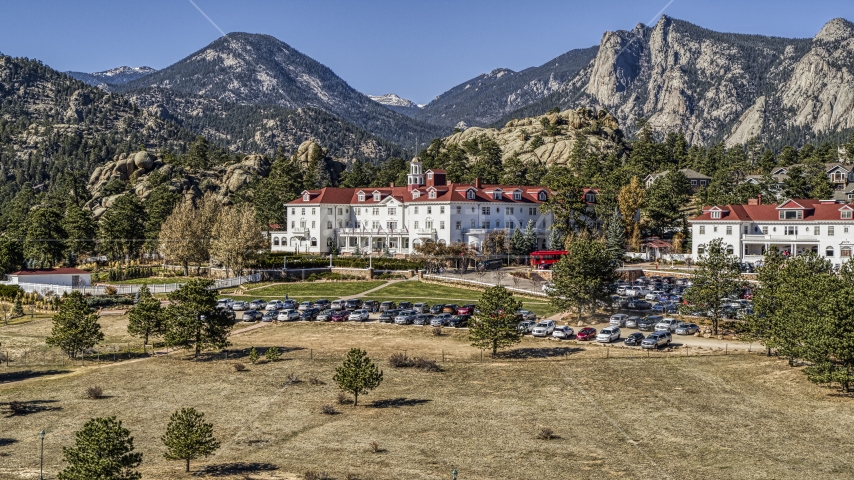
[
  {"x": 250, "y": 69},
  {"x": 486, "y": 98},
  {"x": 394, "y": 102},
  {"x": 114, "y": 76}
]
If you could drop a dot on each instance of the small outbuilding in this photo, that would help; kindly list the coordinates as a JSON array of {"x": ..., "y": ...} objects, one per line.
[{"x": 68, "y": 277}]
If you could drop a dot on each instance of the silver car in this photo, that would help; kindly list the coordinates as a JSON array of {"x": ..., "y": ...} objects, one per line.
[
  {"x": 324, "y": 315},
  {"x": 544, "y": 328},
  {"x": 303, "y": 306},
  {"x": 618, "y": 320},
  {"x": 632, "y": 322},
  {"x": 527, "y": 315},
  {"x": 358, "y": 316},
  {"x": 563, "y": 331},
  {"x": 440, "y": 320},
  {"x": 656, "y": 339},
  {"x": 405, "y": 317},
  {"x": 287, "y": 315},
  {"x": 239, "y": 306},
  {"x": 687, "y": 329},
  {"x": 273, "y": 305},
  {"x": 667, "y": 324},
  {"x": 608, "y": 335}
]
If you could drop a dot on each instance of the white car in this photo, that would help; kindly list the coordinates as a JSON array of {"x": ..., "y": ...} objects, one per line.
[
  {"x": 338, "y": 304},
  {"x": 224, "y": 303},
  {"x": 654, "y": 295},
  {"x": 273, "y": 305},
  {"x": 358, "y": 316},
  {"x": 544, "y": 328},
  {"x": 618, "y": 320},
  {"x": 547, "y": 288},
  {"x": 303, "y": 306},
  {"x": 668, "y": 324},
  {"x": 287, "y": 315},
  {"x": 563, "y": 331},
  {"x": 608, "y": 335},
  {"x": 239, "y": 306},
  {"x": 405, "y": 317}
]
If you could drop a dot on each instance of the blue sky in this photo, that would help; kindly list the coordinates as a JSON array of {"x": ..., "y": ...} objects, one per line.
[{"x": 415, "y": 49}]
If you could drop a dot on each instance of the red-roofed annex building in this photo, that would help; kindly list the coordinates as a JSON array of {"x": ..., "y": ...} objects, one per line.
[
  {"x": 795, "y": 226},
  {"x": 400, "y": 218}
]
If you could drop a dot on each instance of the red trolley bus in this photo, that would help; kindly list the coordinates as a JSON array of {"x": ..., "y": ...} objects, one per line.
[{"x": 544, "y": 259}]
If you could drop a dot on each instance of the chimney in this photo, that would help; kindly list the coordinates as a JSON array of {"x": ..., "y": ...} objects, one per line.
[
  {"x": 391, "y": 184},
  {"x": 753, "y": 201},
  {"x": 477, "y": 183},
  {"x": 759, "y": 199}
]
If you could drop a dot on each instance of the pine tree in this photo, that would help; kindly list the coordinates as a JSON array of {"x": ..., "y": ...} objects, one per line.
[
  {"x": 122, "y": 228},
  {"x": 75, "y": 326},
  {"x": 45, "y": 239},
  {"x": 358, "y": 375},
  {"x": 102, "y": 449},
  {"x": 188, "y": 437},
  {"x": 556, "y": 239},
  {"x": 529, "y": 238},
  {"x": 615, "y": 237},
  {"x": 193, "y": 319},
  {"x": 580, "y": 278},
  {"x": 145, "y": 319},
  {"x": 717, "y": 276},
  {"x": 80, "y": 230},
  {"x": 494, "y": 325}
]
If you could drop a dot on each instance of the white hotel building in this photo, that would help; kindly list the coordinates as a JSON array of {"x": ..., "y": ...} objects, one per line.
[
  {"x": 400, "y": 218},
  {"x": 795, "y": 226}
]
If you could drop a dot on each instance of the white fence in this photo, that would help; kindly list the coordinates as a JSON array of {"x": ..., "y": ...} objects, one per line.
[{"x": 44, "y": 289}]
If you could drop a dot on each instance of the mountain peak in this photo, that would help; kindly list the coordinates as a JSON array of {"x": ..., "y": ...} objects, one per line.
[
  {"x": 836, "y": 29},
  {"x": 393, "y": 100}
]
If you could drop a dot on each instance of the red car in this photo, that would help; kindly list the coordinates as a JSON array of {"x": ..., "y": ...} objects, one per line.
[
  {"x": 586, "y": 333},
  {"x": 339, "y": 316},
  {"x": 466, "y": 310}
]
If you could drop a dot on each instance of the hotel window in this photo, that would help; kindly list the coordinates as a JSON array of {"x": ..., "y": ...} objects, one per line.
[
  {"x": 470, "y": 195},
  {"x": 472, "y": 223},
  {"x": 496, "y": 195},
  {"x": 441, "y": 225},
  {"x": 329, "y": 225},
  {"x": 485, "y": 225},
  {"x": 375, "y": 225},
  {"x": 764, "y": 230},
  {"x": 312, "y": 211},
  {"x": 532, "y": 211},
  {"x": 791, "y": 230},
  {"x": 329, "y": 211},
  {"x": 845, "y": 252},
  {"x": 392, "y": 211},
  {"x": 828, "y": 252},
  {"x": 303, "y": 211},
  {"x": 791, "y": 214},
  {"x": 498, "y": 224},
  {"x": 429, "y": 175},
  {"x": 415, "y": 225},
  {"x": 431, "y": 194},
  {"x": 441, "y": 210},
  {"x": 313, "y": 242},
  {"x": 484, "y": 210},
  {"x": 844, "y": 229},
  {"x": 542, "y": 196},
  {"x": 510, "y": 210},
  {"x": 340, "y": 211},
  {"x": 472, "y": 209},
  {"x": 459, "y": 210},
  {"x": 429, "y": 210},
  {"x": 715, "y": 229},
  {"x": 846, "y": 214},
  {"x": 511, "y": 225},
  {"x": 376, "y": 211},
  {"x": 816, "y": 230},
  {"x": 716, "y": 214},
  {"x": 702, "y": 229},
  {"x": 746, "y": 229},
  {"x": 312, "y": 224},
  {"x": 292, "y": 224},
  {"x": 729, "y": 230},
  {"x": 391, "y": 225},
  {"x": 459, "y": 225},
  {"x": 517, "y": 195},
  {"x": 416, "y": 210},
  {"x": 361, "y": 197},
  {"x": 428, "y": 224},
  {"x": 416, "y": 194},
  {"x": 306, "y": 197},
  {"x": 405, "y": 243},
  {"x": 377, "y": 196},
  {"x": 293, "y": 211},
  {"x": 830, "y": 231}
]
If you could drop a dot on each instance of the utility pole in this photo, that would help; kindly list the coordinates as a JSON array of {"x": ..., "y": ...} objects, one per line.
[{"x": 41, "y": 456}]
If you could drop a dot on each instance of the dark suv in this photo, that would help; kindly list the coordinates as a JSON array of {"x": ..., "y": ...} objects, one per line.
[
  {"x": 371, "y": 305},
  {"x": 353, "y": 304},
  {"x": 388, "y": 316},
  {"x": 387, "y": 306},
  {"x": 648, "y": 323},
  {"x": 435, "y": 309}
]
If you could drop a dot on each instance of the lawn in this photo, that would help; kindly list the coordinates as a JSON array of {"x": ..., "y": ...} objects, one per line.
[
  {"x": 151, "y": 281},
  {"x": 313, "y": 290},
  {"x": 725, "y": 417}
]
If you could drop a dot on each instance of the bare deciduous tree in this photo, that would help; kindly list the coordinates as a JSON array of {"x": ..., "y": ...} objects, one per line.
[{"x": 237, "y": 238}]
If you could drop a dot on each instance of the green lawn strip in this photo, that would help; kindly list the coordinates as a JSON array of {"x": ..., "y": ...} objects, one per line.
[
  {"x": 316, "y": 289},
  {"x": 150, "y": 281}
]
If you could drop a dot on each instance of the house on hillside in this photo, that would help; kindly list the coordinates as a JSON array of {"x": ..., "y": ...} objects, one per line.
[
  {"x": 696, "y": 178},
  {"x": 67, "y": 277}
]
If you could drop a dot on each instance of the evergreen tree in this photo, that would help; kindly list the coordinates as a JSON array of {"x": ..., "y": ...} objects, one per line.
[
  {"x": 80, "y": 230},
  {"x": 631, "y": 201},
  {"x": 199, "y": 155},
  {"x": 556, "y": 239},
  {"x": 529, "y": 238},
  {"x": 494, "y": 325},
  {"x": 103, "y": 449},
  {"x": 45, "y": 239},
  {"x": 665, "y": 199},
  {"x": 121, "y": 231},
  {"x": 145, "y": 319},
  {"x": 514, "y": 172},
  {"x": 282, "y": 185},
  {"x": 359, "y": 175},
  {"x": 716, "y": 277},
  {"x": 188, "y": 437},
  {"x": 616, "y": 238},
  {"x": 580, "y": 278},
  {"x": 75, "y": 326},
  {"x": 358, "y": 375},
  {"x": 394, "y": 170},
  {"x": 566, "y": 202},
  {"x": 517, "y": 243},
  {"x": 158, "y": 206},
  {"x": 193, "y": 319}
]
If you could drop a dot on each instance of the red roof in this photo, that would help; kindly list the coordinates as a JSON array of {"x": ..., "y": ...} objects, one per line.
[
  {"x": 444, "y": 193},
  {"x": 52, "y": 271},
  {"x": 813, "y": 210}
]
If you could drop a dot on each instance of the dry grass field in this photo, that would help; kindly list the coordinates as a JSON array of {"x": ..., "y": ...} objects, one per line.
[{"x": 739, "y": 416}]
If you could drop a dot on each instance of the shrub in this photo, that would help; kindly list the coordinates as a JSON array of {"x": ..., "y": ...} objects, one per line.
[
  {"x": 437, "y": 331},
  {"x": 292, "y": 379},
  {"x": 253, "y": 356},
  {"x": 545, "y": 433},
  {"x": 328, "y": 410},
  {"x": 375, "y": 447},
  {"x": 399, "y": 360},
  {"x": 239, "y": 367},
  {"x": 94, "y": 392},
  {"x": 272, "y": 354},
  {"x": 315, "y": 381},
  {"x": 427, "y": 365},
  {"x": 110, "y": 290}
]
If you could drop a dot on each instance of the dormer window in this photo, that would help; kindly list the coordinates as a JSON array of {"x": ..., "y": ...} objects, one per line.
[
  {"x": 845, "y": 215},
  {"x": 377, "y": 196},
  {"x": 429, "y": 175},
  {"x": 416, "y": 194},
  {"x": 791, "y": 214},
  {"x": 496, "y": 195},
  {"x": 590, "y": 197},
  {"x": 716, "y": 214},
  {"x": 361, "y": 196},
  {"x": 470, "y": 195},
  {"x": 431, "y": 194},
  {"x": 517, "y": 195},
  {"x": 306, "y": 197},
  {"x": 542, "y": 196}
]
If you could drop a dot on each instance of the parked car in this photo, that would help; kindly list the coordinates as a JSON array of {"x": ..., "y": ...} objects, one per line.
[
  {"x": 239, "y": 306},
  {"x": 321, "y": 304},
  {"x": 405, "y": 317},
  {"x": 687, "y": 329},
  {"x": 632, "y": 322},
  {"x": 440, "y": 320},
  {"x": 639, "y": 305},
  {"x": 273, "y": 305},
  {"x": 404, "y": 306},
  {"x": 421, "y": 308},
  {"x": 563, "y": 331},
  {"x": 360, "y": 315},
  {"x": 388, "y": 306},
  {"x": 621, "y": 289},
  {"x": 437, "y": 308},
  {"x": 466, "y": 310},
  {"x": 618, "y": 320},
  {"x": 656, "y": 339},
  {"x": 251, "y": 315},
  {"x": 459, "y": 321},
  {"x": 422, "y": 319},
  {"x": 339, "y": 316},
  {"x": 451, "y": 308},
  {"x": 303, "y": 306},
  {"x": 372, "y": 306},
  {"x": 525, "y": 314},
  {"x": 586, "y": 333},
  {"x": 270, "y": 316},
  {"x": 648, "y": 323},
  {"x": 654, "y": 296},
  {"x": 337, "y": 304},
  {"x": 608, "y": 335},
  {"x": 526, "y": 326},
  {"x": 634, "y": 339},
  {"x": 619, "y": 303},
  {"x": 257, "y": 304},
  {"x": 309, "y": 314},
  {"x": 289, "y": 303},
  {"x": 287, "y": 315},
  {"x": 388, "y": 316},
  {"x": 352, "y": 304},
  {"x": 668, "y": 324},
  {"x": 323, "y": 315},
  {"x": 224, "y": 303},
  {"x": 544, "y": 328}
]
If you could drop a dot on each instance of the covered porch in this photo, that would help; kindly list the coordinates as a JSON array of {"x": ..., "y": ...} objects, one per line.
[{"x": 367, "y": 241}]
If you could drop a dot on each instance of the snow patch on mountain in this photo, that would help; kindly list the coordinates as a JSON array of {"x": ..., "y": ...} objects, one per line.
[{"x": 392, "y": 100}]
